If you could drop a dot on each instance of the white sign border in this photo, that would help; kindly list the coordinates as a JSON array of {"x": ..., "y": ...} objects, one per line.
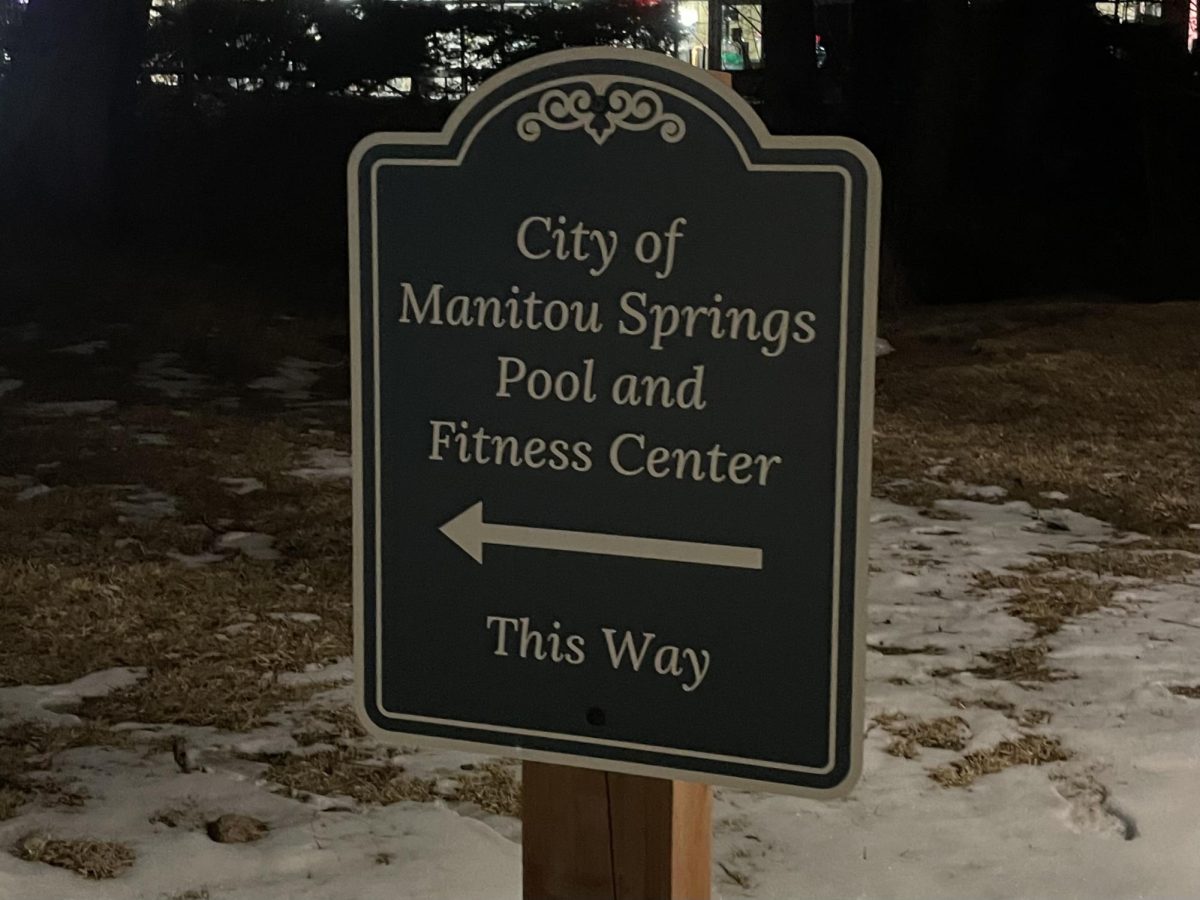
[{"x": 866, "y": 397}]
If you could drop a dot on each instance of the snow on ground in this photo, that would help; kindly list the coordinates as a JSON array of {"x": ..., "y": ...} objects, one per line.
[
  {"x": 293, "y": 379},
  {"x": 162, "y": 373},
  {"x": 57, "y": 409},
  {"x": 253, "y": 544},
  {"x": 34, "y": 490},
  {"x": 194, "y": 560},
  {"x": 152, "y": 439},
  {"x": 239, "y": 485},
  {"x": 51, "y": 703},
  {"x": 1118, "y": 818},
  {"x": 407, "y": 849},
  {"x": 325, "y": 465},
  {"x": 86, "y": 348},
  {"x": 318, "y": 848},
  {"x": 145, "y": 504}
]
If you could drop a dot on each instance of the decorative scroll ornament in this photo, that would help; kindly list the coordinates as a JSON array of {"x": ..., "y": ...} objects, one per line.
[{"x": 600, "y": 110}]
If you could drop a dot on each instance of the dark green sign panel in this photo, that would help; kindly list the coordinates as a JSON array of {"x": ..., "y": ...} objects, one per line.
[{"x": 613, "y": 362}]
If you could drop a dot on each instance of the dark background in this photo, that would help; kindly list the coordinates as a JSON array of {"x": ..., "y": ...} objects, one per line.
[{"x": 1029, "y": 146}]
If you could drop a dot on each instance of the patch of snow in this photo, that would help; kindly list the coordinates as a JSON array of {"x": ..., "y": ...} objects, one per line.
[
  {"x": 313, "y": 850},
  {"x": 935, "y": 529},
  {"x": 293, "y": 379},
  {"x": 8, "y": 385},
  {"x": 34, "y": 490},
  {"x": 161, "y": 373},
  {"x": 152, "y": 439},
  {"x": 325, "y": 465},
  {"x": 146, "y": 505},
  {"x": 46, "y": 702},
  {"x": 979, "y": 492},
  {"x": 270, "y": 743},
  {"x": 87, "y": 348},
  {"x": 241, "y": 486},
  {"x": 1054, "y": 495},
  {"x": 15, "y": 482},
  {"x": 1115, "y": 820},
  {"x": 195, "y": 560},
  {"x": 883, "y": 347},
  {"x": 58, "y": 409},
  {"x": 1028, "y": 831},
  {"x": 341, "y": 672},
  {"x": 321, "y": 404},
  {"x": 253, "y": 544},
  {"x": 294, "y": 617}
]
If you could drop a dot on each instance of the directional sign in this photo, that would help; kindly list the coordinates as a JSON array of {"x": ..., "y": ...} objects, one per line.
[{"x": 613, "y": 352}]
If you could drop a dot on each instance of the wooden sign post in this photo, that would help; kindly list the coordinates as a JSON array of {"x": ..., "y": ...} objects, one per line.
[
  {"x": 590, "y": 834},
  {"x": 613, "y": 351}
]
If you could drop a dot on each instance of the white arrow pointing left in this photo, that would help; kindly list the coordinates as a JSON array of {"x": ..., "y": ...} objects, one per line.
[{"x": 471, "y": 533}]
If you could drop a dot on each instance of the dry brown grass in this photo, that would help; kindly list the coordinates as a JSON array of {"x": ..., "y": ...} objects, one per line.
[
  {"x": 17, "y": 789},
  {"x": 1124, "y": 562},
  {"x": 893, "y": 650},
  {"x": 1047, "y": 600},
  {"x": 1027, "y": 750},
  {"x": 40, "y": 739},
  {"x": 65, "y": 621},
  {"x": 1096, "y": 400},
  {"x": 1021, "y": 663},
  {"x": 333, "y": 724},
  {"x": 187, "y": 815},
  {"x": 1026, "y": 718},
  {"x": 1191, "y": 691},
  {"x": 944, "y": 733},
  {"x": 920, "y": 492},
  {"x": 12, "y": 799},
  {"x": 352, "y": 773},
  {"x": 86, "y": 590},
  {"x": 493, "y": 786},
  {"x": 91, "y": 859}
]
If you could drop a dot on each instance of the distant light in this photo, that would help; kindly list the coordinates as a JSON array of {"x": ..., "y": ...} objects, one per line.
[{"x": 688, "y": 16}]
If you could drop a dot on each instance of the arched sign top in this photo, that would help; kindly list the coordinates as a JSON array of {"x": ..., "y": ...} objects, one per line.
[
  {"x": 602, "y": 90},
  {"x": 612, "y": 384}
]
